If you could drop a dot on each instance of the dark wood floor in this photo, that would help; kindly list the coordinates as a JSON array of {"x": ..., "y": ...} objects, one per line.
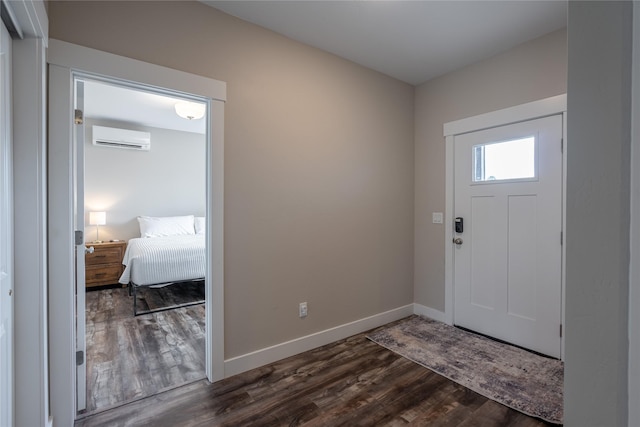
[
  {"x": 353, "y": 382},
  {"x": 133, "y": 357}
]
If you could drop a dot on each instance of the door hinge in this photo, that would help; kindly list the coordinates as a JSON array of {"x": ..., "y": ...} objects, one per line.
[
  {"x": 561, "y": 330},
  {"x": 79, "y": 358},
  {"x": 561, "y": 238},
  {"x": 78, "y": 118},
  {"x": 78, "y": 237},
  {"x": 562, "y": 145}
]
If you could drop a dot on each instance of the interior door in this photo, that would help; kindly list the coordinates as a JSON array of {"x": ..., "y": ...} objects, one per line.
[
  {"x": 6, "y": 233},
  {"x": 507, "y": 242},
  {"x": 78, "y": 183}
]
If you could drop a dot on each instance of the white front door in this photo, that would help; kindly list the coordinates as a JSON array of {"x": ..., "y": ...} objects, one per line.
[{"x": 508, "y": 250}]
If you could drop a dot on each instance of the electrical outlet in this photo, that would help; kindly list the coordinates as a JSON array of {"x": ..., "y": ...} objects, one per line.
[{"x": 303, "y": 309}]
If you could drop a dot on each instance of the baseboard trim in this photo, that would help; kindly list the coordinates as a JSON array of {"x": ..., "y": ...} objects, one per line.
[
  {"x": 255, "y": 359},
  {"x": 431, "y": 313}
]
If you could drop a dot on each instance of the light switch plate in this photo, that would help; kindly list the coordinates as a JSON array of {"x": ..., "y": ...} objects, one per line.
[{"x": 436, "y": 217}]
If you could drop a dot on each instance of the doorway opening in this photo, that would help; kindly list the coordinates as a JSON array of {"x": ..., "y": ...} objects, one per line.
[
  {"x": 140, "y": 198},
  {"x": 67, "y": 61}
]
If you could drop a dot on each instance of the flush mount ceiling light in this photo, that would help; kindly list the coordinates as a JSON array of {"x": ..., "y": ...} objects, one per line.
[{"x": 190, "y": 110}]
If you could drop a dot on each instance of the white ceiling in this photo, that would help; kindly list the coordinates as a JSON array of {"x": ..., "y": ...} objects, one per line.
[
  {"x": 136, "y": 107},
  {"x": 413, "y": 41}
]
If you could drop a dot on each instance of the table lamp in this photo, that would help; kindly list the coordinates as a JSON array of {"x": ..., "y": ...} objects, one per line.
[{"x": 97, "y": 219}]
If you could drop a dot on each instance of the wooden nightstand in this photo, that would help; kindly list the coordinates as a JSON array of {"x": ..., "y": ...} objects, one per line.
[{"x": 104, "y": 265}]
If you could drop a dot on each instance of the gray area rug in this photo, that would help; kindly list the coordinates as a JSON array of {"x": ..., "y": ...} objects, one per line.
[{"x": 516, "y": 378}]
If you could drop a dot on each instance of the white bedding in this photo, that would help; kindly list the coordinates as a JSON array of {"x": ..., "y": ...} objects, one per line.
[{"x": 158, "y": 260}]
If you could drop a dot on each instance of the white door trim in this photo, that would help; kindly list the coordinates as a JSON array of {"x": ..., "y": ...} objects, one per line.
[
  {"x": 31, "y": 364},
  {"x": 529, "y": 111},
  {"x": 519, "y": 113},
  {"x": 66, "y": 59},
  {"x": 7, "y": 284}
]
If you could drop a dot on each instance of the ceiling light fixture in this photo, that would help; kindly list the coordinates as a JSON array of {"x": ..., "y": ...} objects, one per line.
[{"x": 190, "y": 110}]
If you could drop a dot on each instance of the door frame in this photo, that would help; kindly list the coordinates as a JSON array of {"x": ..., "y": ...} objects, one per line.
[
  {"x": 520, "y": 113},
  {"x": 65, "y": 60},
  {"x": 7, "y": 389}
]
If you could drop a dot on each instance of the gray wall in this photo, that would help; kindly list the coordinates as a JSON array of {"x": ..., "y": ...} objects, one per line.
[
  {"x": 634, "y": 276},
  {"x": 318, "y": 165},
  {"x": 168, "y": 180},
  {"x": 532, "y": 71},
  {"x": 598, "y": 177}
]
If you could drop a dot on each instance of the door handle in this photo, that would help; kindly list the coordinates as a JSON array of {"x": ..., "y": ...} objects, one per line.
[
  {"x": 89, "y": 250},
  {"x": 457, "y": 241}
]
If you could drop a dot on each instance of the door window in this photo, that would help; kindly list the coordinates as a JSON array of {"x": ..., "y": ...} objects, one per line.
[{"x": 505, "y": 160}]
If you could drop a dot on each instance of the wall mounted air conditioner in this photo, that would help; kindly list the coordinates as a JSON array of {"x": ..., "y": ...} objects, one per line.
[{"x": 121, "y": 138}]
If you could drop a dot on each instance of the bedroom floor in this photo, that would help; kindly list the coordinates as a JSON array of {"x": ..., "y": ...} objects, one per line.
[{"x": 129, "y": 357}]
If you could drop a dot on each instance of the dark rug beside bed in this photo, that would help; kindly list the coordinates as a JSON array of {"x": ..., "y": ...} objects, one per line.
[
  {"x": 517, "y": 378},
  {"x": 151, "y": 298}
]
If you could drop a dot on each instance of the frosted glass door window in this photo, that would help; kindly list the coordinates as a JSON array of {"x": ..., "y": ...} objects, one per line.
[{"x": 507, "y": 160}]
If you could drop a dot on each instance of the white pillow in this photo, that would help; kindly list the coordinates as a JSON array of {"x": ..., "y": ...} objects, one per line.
[
  {"x": 200, "y": 224},
  {"x": 166, "y": 226}
]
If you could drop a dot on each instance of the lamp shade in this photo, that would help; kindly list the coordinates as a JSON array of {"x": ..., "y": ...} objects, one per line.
[
  {"x": 97, "y": 218},
  {"x": 190, "y": 110}
]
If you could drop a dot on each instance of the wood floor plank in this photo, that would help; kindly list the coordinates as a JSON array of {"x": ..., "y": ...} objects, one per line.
[
  {"x": 460, "y": 405},
  {"x": 368, "y": 391},
  {"x": 390, "y": 401},
  {"x": 491, "y": 413},
  {"x": 302, "y": 382}
]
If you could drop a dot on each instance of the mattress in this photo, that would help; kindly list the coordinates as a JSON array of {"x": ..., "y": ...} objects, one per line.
[{"x": 160, "y": 260}]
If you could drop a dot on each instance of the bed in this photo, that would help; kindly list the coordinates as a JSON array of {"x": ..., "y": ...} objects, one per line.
[{"x": 163, "y": 256}]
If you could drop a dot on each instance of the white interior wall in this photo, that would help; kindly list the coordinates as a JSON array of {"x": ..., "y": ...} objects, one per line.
[
  {"x": 168, "y": 180},
  {"x": 597, "y": 233}
]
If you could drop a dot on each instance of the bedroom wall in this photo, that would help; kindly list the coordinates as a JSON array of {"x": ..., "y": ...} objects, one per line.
[
  {"x": 168, "y": 180},
  {"x": 318, "y": 165},
  {"x": 534, "y": 70}
]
